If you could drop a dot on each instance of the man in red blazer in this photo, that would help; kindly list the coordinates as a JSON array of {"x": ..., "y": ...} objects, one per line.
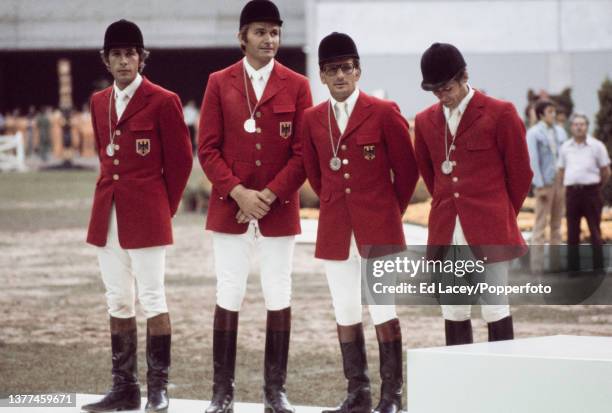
[
  {"x": 359, "y": 160},
  {"x": 145, "y": 160},
  {"x": 250, "y": 149},
  {"x": 473, "y": 157}
]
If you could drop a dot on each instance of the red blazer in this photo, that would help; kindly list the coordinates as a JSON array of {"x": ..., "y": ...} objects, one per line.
[
  {"x": 270, "y": 158},
  {"x": 370, "y": 193},
  {"x": 148, "y": 173},
  {"x": 489, "y": 182}
]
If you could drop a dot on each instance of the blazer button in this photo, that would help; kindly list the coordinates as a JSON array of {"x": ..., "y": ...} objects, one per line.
[
  {"x": 116, "y": 162},
  {"x": 258, "y": 114},
  {"x": 347, "y": 190},
  {"x": 117, "y": 132},
  {"x": 345, "y": 162},
  {"x": 455, "y": 179},
  {"x": 258, "y": 146},
  {"x": 258, "y": 130},
  {"x": 343, "y": 147},
  {"x": 347, "y": 176},
  {"x": 456, "y": 194},
  {"x": 115, "y": 177},
  {"x": 116, "y": 147},
  {"x": 258, "y": 162}
]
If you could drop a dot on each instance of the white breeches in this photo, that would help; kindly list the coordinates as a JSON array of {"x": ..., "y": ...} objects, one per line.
[
  {"x": 496, "y": 272},
  {"x": 126, "y": 270},
  {"x": 232, "y": 264},
  {"x": 344, "y": 280}
]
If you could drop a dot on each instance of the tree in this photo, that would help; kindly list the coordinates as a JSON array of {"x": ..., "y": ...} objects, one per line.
[{"x": 603, "y": 126}]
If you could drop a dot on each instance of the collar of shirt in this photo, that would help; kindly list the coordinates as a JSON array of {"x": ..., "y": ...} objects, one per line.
[
  {"x": 588, "y": 141},
  {"x": 129, "y": 89},
  {"x": 462, "y": 105},
  {"x": 350, "y": 101},
  {"x": 263, "y": 72}
]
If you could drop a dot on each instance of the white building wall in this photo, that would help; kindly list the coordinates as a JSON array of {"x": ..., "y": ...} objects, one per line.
[
  {"x": 510, "y": 46},
  {"x": 80, "y": 24}
]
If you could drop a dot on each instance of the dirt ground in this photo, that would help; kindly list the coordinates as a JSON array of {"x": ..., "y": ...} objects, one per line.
[{"x": 53, "y": 323}]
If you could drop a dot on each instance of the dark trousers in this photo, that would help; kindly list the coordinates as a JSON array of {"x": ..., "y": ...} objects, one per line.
[{"x": 583, "y": 201}]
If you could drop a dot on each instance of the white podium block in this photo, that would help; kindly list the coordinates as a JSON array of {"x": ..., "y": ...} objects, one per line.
[{"x": 557, "y": 374}]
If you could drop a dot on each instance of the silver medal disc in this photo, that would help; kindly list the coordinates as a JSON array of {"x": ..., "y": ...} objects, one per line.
[
  {"x": 335, "y": 163},
  {"x": 110, "y": 149},
  {"x": 447, "y": 167},
  {"x": 249, "y": 125}
]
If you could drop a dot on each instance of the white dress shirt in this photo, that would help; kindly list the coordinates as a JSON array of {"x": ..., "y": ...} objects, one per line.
[
  {"x": 582, "y": 162},
  {"x": 122, "y": 97},
  {"x": 453, "y": 116},
  {"x": 259, "y": 78},
  {"x": 343, "y": 110}
]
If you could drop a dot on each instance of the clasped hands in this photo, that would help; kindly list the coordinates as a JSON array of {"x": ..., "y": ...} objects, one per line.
[{"x": 252, "y": 204}]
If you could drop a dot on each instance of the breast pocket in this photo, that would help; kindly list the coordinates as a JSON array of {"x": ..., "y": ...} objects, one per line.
[
  {"x": 369, "y": 145},
  {"x": 142, "y": 134},
  {"x": 284, "y": 114},
  {"x": 480, "y": 144}
]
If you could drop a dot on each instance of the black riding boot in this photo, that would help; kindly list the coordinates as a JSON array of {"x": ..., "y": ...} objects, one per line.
[
  {"x": 355, "y": 364},
  {"x": 125, "y": 392},
  {"x": 501, "y": 330},
  {"x": 389, "y": 337},
  {"x": 278, "y": 331},
  {"x": 458, "y": 332},
  {"x": 225, "y": 334}
]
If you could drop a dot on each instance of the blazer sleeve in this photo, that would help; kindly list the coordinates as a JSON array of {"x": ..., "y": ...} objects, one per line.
[
  {"x": 210, "y": 140},
  {"x": 401, "y": 155},
  {"x": 311, "y": 158},
  {"x": 513, "y": 146},
  {"x": 176, "y": 148},
  {"x": 423, "y": 157},
  {"x": 291, "y": 177}
]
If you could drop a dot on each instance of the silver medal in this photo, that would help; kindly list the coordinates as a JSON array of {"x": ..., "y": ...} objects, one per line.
[
  {"x": 335, "y": 163},
  {"x": 110, "y": 149},
  {"x": 447, "y": 167},
  {"x": 249, "y": 125}
]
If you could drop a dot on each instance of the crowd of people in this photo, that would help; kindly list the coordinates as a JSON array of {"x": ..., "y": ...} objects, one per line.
[
  {"x": 58, "y": 133},
  {"x": 569, "y": 174}
]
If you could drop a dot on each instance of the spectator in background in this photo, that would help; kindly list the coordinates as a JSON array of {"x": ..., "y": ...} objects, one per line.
[
  {"x": 584, "y": 168},
  {"x": 43, "y": 124},
  {"x": 29, "y": 137},
  {"x": 2, "y": 124},
  {"x": 543, "y": 141},
  {"x": 192, "y": 116}
]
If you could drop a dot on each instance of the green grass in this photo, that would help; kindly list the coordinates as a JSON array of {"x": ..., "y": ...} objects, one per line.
[
  {"x": 45, "y": 200},
  {"x": 34, "y": 201}
]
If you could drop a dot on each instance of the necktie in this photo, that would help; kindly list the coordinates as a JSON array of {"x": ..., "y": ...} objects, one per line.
[
  {"x": 258, "y": 85},
  {"x": 120, "y": 105},
  {"x": 341, "y": 115}
]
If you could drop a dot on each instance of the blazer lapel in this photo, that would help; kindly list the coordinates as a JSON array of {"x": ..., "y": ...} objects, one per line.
[
  {"x": 238, "y": 82},
  {"x": 472, "y": 113},
  {"x": 275, "y": 84},
  {"x": 436, "y": 117},
  {"x": 360, "y": 113},
  {"x": 138, "y": 101}
]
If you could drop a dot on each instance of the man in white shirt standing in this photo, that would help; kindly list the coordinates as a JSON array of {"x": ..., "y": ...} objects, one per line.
[{"x": 584, "y": 167}]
